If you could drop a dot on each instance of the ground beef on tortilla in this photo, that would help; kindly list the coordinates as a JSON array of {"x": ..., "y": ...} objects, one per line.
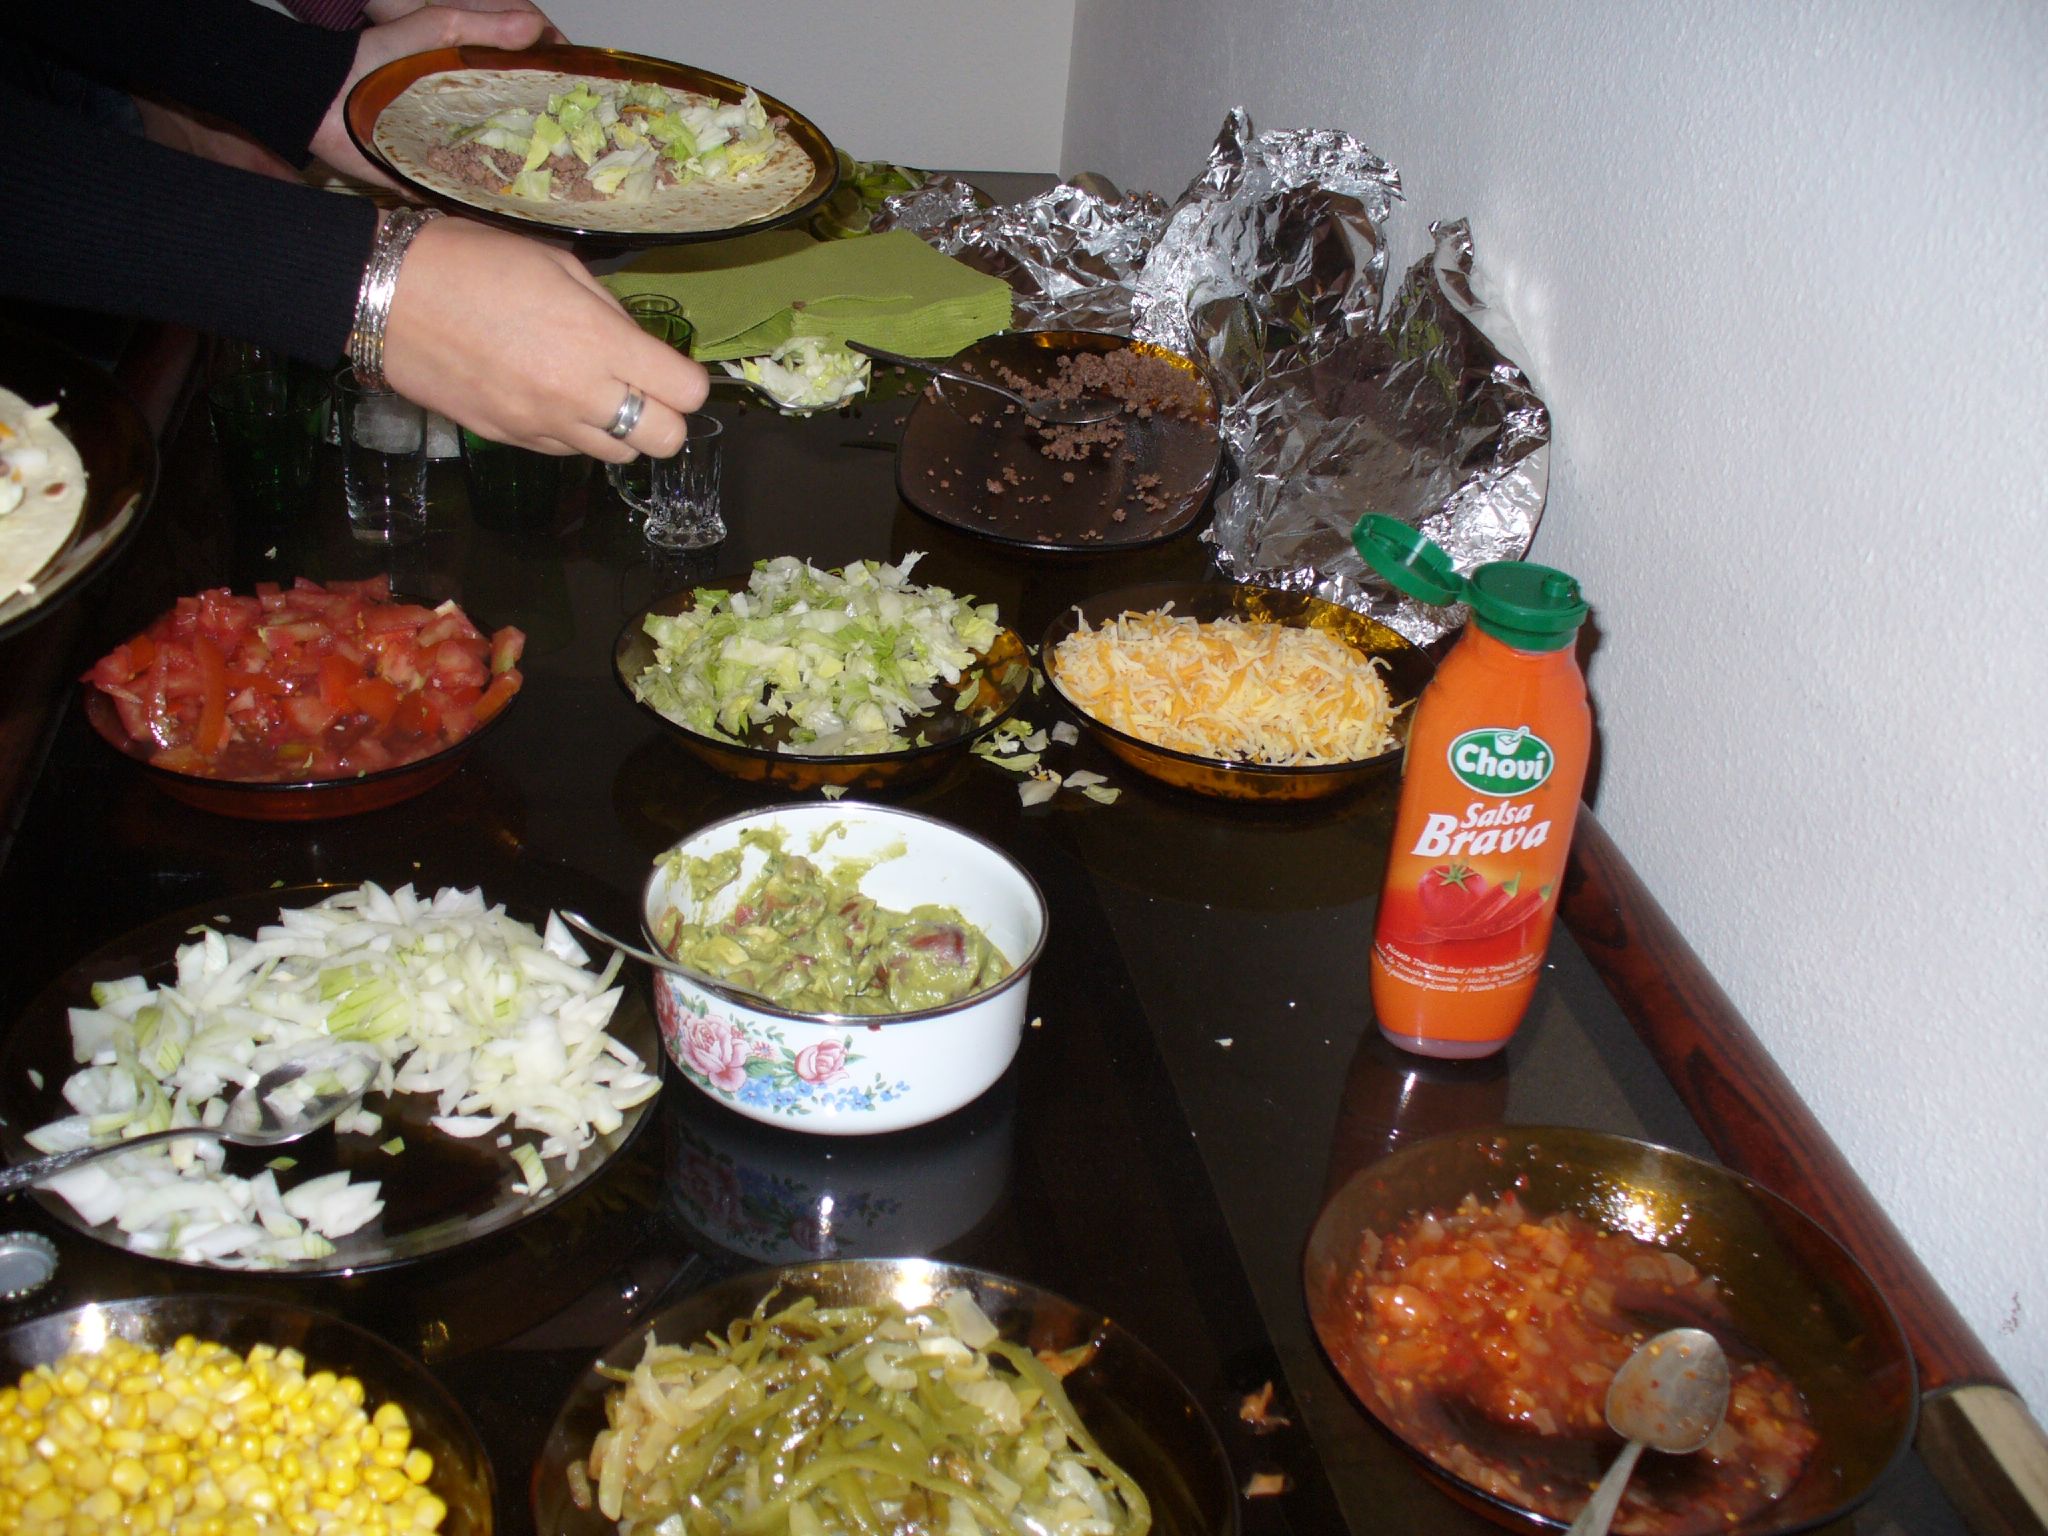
[{"x": 476, "y": 166}]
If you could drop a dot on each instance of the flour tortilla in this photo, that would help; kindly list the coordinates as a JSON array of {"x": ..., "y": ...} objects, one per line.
[
  {"x": 426, "y": 114},
  {"x": 53, "y": 498}
]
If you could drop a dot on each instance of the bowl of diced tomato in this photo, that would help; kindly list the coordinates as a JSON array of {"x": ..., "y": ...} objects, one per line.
[{"x": 301, "y": 702}]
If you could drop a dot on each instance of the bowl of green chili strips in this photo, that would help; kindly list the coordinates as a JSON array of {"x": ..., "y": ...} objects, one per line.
[{"x": 881, "y": 1396}]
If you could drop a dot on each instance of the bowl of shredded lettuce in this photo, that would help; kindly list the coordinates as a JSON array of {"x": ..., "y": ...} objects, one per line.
[{"x": 804, "y": 677}]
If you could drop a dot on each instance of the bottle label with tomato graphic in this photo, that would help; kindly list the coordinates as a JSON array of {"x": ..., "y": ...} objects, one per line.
[{"x": 1471, "y": 889}]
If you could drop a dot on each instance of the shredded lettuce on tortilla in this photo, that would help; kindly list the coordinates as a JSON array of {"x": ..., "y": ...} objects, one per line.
[{"x": 626, "y": 141}]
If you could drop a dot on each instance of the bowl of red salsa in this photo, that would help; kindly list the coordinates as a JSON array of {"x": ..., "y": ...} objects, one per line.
[
  {"x": 301, "y": 702},
  {"x": 1477, "y": 1292}
]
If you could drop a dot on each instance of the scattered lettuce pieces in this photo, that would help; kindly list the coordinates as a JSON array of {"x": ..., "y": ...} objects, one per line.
[{"x": 805, "y": 373}]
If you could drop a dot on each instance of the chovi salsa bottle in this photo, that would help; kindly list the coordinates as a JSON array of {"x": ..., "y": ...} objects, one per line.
[{"x": 1490, "y": 789}]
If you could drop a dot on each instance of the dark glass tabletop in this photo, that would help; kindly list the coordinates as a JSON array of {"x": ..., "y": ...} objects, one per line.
[{"x": 1204, "y": 1069}]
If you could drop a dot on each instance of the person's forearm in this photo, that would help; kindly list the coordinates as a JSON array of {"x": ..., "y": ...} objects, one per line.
[
  {"x": 102, "y": 220},
  {"x": 234, "y": 59}
]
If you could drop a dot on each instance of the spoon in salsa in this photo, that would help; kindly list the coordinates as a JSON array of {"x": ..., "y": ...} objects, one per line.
[{"x": 1669, "y": 1395}]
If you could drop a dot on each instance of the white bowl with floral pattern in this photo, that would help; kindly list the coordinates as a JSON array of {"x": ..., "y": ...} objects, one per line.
[{"x": 842, "y": 1075}]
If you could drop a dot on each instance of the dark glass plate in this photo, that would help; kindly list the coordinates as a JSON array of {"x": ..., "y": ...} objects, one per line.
[
  {"x": 1144, "y": 1418},
  {"x": 997, "y": 683},
  {"x": 439, "y": 1192},
  {"x": 1407, "y": 669},
  {"x": 1796, "y": 1294},
  {"x": 973, "y": 461},
  {"x": 300, "y": 800},
  {"x": 378, "y": 89},
  {"x": 120, "y": 466},
  {"x": 295, "y": 799},
  {"x": 462, "y": 1472}
]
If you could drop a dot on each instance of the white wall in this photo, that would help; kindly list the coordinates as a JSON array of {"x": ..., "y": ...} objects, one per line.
[
  {"x": 1782, "y": 270},
  {"x": 960, "y": 84}
]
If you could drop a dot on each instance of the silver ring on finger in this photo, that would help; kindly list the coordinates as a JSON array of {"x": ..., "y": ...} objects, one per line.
[{"x": 627, "y": 417}]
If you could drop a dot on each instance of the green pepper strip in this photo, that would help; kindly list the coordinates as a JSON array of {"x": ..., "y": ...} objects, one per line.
[
  {"x": 771, "y": 1516},
  {"x": 1029, "y": 1367}
]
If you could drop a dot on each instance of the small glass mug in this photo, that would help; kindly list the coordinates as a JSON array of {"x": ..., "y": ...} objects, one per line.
[
  {"x": 383, "y": 462},
  {"x": 662, "y": 318},
  {"x": 677, "y": 497}
]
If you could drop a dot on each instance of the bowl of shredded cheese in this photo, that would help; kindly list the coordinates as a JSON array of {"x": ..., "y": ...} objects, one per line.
[{"x": 1237, "y": 692}]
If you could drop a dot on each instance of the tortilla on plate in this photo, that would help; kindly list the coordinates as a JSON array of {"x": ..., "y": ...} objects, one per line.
[
  {"x": 42, "y": 491},
  {"x": 425, "y": 117}
]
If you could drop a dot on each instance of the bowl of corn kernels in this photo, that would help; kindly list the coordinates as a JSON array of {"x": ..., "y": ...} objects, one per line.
[{"x": 146, "y": 1413}]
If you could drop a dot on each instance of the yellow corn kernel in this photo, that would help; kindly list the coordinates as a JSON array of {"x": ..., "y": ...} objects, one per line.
[
  {"x": 128, "y": 1477},
  {"x": 388, "y": 1455},
  {"x": 387, "y": 1483},
  {"x": 419, "y": 1465}
]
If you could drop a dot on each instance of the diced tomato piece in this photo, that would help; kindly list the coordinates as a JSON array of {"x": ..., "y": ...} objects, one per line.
[
  {"x": 395, "y": 616},
  {"x": 460, "y": 664},
  {"x": 398, "y": 660},
  {"x": 457, "y": 709},
  {"x": 416, "y": 716},
  {"x": 374, "y": 697},
  {"x": 123, "y": 664},
  {"x": 507, "y": 646},
  {"x": 308, "y": 713},
  {"x": 497, "y": 696},
  {"x": 336, "y": 676},
  {"x": 449, "y": 623}
]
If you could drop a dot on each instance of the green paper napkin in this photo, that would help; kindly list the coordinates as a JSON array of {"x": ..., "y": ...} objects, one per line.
[{"x": 747, "y": 296}]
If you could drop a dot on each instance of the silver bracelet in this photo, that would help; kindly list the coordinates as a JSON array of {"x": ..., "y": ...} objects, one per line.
[{"x": 395, "y": 232}]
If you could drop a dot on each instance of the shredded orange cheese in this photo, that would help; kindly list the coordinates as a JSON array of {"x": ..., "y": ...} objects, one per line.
[{"x": 1242, "y": 690}]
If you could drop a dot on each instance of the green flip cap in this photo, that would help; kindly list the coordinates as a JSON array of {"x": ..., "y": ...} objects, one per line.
[{"x": 1530, "y": 607}]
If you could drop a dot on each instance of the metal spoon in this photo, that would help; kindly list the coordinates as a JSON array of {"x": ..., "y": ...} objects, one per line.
[
  {"x": 1669, "y": 1395},
  {"x": 585, "y": 926},
  {"x": 259, "y": 1116},
  {"x": 1058, "y": 413}
]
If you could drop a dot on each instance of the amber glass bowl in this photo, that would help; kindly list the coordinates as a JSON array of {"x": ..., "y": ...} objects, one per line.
[
  {"x": 1144, "y": 1418},
  {"x": 462, "y": 1472},
  {"x": 990, "y": 688},
  {"x": 1407, "y": 668},
  {"x": 1795, "y": 1294}
]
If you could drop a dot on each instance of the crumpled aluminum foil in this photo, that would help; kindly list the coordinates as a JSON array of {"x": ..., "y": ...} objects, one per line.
[{"x": 1270, "y": 271}]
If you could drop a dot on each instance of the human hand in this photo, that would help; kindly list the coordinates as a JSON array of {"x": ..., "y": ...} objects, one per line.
[
  {"x": 379, "y": 11},
  {"x": 517, "y": 342},
  {"x": 431, "y": 26}
]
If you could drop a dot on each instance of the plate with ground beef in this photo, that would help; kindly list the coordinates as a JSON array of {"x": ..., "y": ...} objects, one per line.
[
  {"x": 607, "y": 147},
  {"x": 975, "y": 461}
]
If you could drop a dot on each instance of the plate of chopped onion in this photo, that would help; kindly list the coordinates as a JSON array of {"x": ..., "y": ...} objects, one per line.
[
  {"x": 882, "y": 1394},
  {"x": 512, "y": 1067},
  {"x": 1237, "y": 692}
]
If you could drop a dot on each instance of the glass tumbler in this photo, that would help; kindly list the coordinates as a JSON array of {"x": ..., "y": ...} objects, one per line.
[{"x": 383, "y": 462}]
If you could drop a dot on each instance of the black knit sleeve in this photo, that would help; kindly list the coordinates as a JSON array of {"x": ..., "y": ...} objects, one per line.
[
  {"x": 267, "y": 73},
  {"x": 103, "y": 220}
]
